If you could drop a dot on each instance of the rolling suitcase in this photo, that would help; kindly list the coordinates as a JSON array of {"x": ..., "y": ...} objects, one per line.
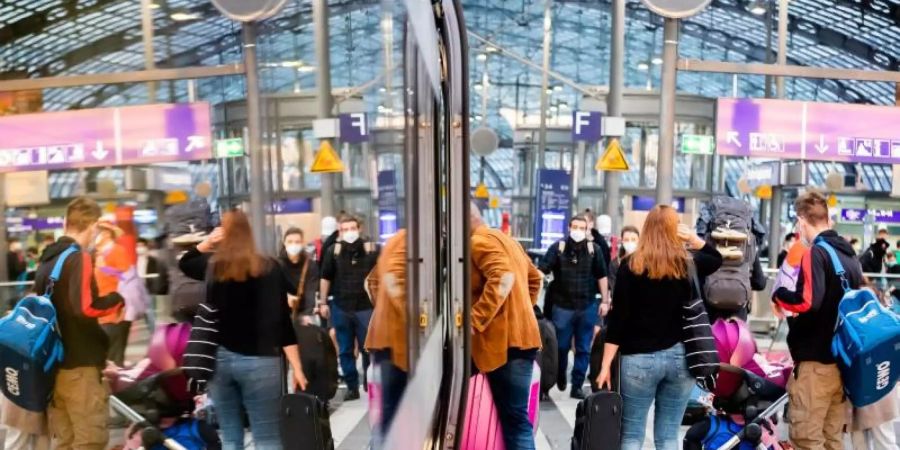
[
  {"x": 305, "y": 423},
  {"x": 597, "y": 361},
  {"x": 548, "y": 357},
  {"x": 598, "y": 422},
  {"x": 482, "y": 424}
]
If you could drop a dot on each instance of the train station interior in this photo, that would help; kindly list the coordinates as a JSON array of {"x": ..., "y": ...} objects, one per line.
[{"x": 419, "y": 122}]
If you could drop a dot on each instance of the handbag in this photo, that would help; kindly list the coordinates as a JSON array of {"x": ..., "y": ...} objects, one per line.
[
  {"x": 699, "y": 344},
  {"x": 199, "y": 361}
]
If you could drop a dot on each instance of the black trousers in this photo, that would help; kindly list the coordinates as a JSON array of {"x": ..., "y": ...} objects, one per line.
[{"x": 118, "y": 341}]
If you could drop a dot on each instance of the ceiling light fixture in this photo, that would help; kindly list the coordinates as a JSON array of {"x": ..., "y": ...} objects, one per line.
[
  {"x": 477, "y": 86},
  {"x": 758, "y": 7},
  {"x": 306, "y": 69},
  {"x": 643, "y": 66},
  {"x": 656, "y": 61},
  {"x": 184, "y": 16},
  {"x": 558, "y": 88},
  {"x": 154, "y": 5},
  {"x": 481, "y": 57},
  {"x": 549, "y": 90}
]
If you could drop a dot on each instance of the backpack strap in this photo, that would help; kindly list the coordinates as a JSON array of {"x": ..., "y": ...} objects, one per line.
[
  {"x": 836, "y": 262},
  {"x": 57, "y": 268}
]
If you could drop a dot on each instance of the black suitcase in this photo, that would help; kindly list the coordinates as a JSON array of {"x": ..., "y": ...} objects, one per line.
[
  {"x": 305, "y": 423},
  {"x": 597, "y": 361},
  {"x": 319, "y": 360},
  {"x": 549, "y": 355},
  {"x": 598, "y": 422}
]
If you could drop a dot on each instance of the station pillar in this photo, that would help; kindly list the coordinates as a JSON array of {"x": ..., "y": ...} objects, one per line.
[
  {"x": 614, "y": 103},
  {"x": 665, "y": 163},
  {"x": 323, "y": 90},
  {"x": 254, "y": 139}
]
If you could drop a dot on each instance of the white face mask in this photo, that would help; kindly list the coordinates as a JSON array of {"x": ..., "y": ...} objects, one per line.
[
  {"x": 350, "y": 236},
  {"x": 629, "y": 247},
  {"x": 577, "y": 235},
  {"x": 293, "y": 250}
]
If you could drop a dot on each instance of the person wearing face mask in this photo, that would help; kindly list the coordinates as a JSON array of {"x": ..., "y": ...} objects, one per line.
[
  {"x": 345, "y": 266},
  {"x": 599, "y": 231},
  {"x": 816, "y": 396},
  {"x": 297, "y": 266},
  {"x": 629, "y": 237},
  {"x": 579, "y": 274},
  {"x": 79, "y": 407},
  {"x": 112, "y": 259}
]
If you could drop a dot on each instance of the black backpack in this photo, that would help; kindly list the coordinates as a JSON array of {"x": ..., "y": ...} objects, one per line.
[
  {"x": 729, "y": 226},
  {"x": 319, "y": 359}
]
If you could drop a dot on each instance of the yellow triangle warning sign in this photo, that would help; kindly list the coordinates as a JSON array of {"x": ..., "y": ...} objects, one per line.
[
  {"x": 327, "y": 160},
  {"x": 613, "y": 158},
  {"x": 481, "y": 191}
]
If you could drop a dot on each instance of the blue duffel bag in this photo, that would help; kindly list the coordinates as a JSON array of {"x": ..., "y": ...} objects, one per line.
[
  {"x": 31, "y": 347},
  {"x": 866, "y": 341}
]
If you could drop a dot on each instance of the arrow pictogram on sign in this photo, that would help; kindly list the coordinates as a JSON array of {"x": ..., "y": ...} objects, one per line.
[
  {"x": 822, "y": 147},
  {"x": 733, "y": 137}
]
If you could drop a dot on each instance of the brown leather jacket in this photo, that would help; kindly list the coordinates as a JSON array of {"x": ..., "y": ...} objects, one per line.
[
  {"x": 387, "y": 285},
  {"x": 505, "y": 286}
]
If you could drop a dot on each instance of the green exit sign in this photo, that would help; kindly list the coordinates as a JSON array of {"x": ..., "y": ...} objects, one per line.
[
  {"x": 695, "y": 144},
  {"x": 230, "y": 148}
]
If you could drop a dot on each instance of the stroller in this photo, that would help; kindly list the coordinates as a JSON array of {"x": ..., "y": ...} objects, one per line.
[
  {"x": 748, "y": 393},
  {"x": 154, "y": 396}
]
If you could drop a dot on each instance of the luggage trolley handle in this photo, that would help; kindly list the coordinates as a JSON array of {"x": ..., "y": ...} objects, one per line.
[
  {"x": 132, "y": 415},
  {"x": 735, "y": 440}
]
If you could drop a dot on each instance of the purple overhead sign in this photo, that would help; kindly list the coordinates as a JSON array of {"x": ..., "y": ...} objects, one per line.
[
  {"x": 105, "y": 136},
  {"x": 808, "y": 130}
]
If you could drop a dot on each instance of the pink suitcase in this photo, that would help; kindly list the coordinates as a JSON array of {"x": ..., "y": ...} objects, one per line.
[{"x": 482, "y": 426}]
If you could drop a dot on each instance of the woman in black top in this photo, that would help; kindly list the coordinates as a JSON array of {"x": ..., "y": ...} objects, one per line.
[
  {"x": 299, "y": 265},
  {"x": 254, "y": 330},
  {"x": 645, "y": 324}
]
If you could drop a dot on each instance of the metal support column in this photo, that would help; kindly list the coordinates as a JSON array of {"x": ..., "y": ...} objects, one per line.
[
  {"x": 775, "y": 226},
  {"x": 782, "y": 44},
  {"x": 614, "y": 100},
  {"x": 545, "y": 83},
  {"x": 149, "y": 58},
  {"x": 665, "y": 162},
  {"x": 254, "y": 138},
  {"x": 323, "y": 89}
]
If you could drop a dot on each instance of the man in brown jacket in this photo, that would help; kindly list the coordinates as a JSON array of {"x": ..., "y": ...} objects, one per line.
[
  {"x": 505, "y": 335},
  {"x": 386, "y": 339}
]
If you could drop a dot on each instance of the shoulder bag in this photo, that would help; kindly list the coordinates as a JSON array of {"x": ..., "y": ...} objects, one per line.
[{"x": 699, "y": 344}]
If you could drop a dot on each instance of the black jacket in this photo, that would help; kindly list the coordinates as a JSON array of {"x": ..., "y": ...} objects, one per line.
[
  {"x": 254, "y": 317},
  {"x": 646, "y": 314},
  {"x": 78, "y": 305},
  {"x": 576, "y": 271},
  {"x": 160, "y": 284},
  {"x": 872, "y": 260},
  {"x": 604, "y": 246},
  {"x": 311, "y": 284},
  {"x": 809, "y": 338}
]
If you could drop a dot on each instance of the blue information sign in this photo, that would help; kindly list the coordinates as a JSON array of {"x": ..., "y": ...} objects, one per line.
[
  {"x": 388, "y": 204},
  {"x": 586, "y": 126},
  {"x": 554, "y": 206},
  {"x": 354, "y": 128}
]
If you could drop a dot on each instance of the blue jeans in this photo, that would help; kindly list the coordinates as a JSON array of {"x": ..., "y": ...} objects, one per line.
[
  {"x": 350, "y": 327},
  {"x": 251, "y": 383},
  {"x": 511, "y": 388},
  {"x": 393, "y": 384},
  {"x": 580, "y": 325},
  {"x": 647, "y": 377}
]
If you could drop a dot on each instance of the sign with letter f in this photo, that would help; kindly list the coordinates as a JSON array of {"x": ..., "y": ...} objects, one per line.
[{"x": 586, "y": 126}]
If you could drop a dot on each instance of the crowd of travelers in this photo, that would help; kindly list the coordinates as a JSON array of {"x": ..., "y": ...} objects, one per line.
[{"x": 620, "y": 295}]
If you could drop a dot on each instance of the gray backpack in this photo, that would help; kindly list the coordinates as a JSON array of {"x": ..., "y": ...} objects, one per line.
[{"x": 728, "y": 289}]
